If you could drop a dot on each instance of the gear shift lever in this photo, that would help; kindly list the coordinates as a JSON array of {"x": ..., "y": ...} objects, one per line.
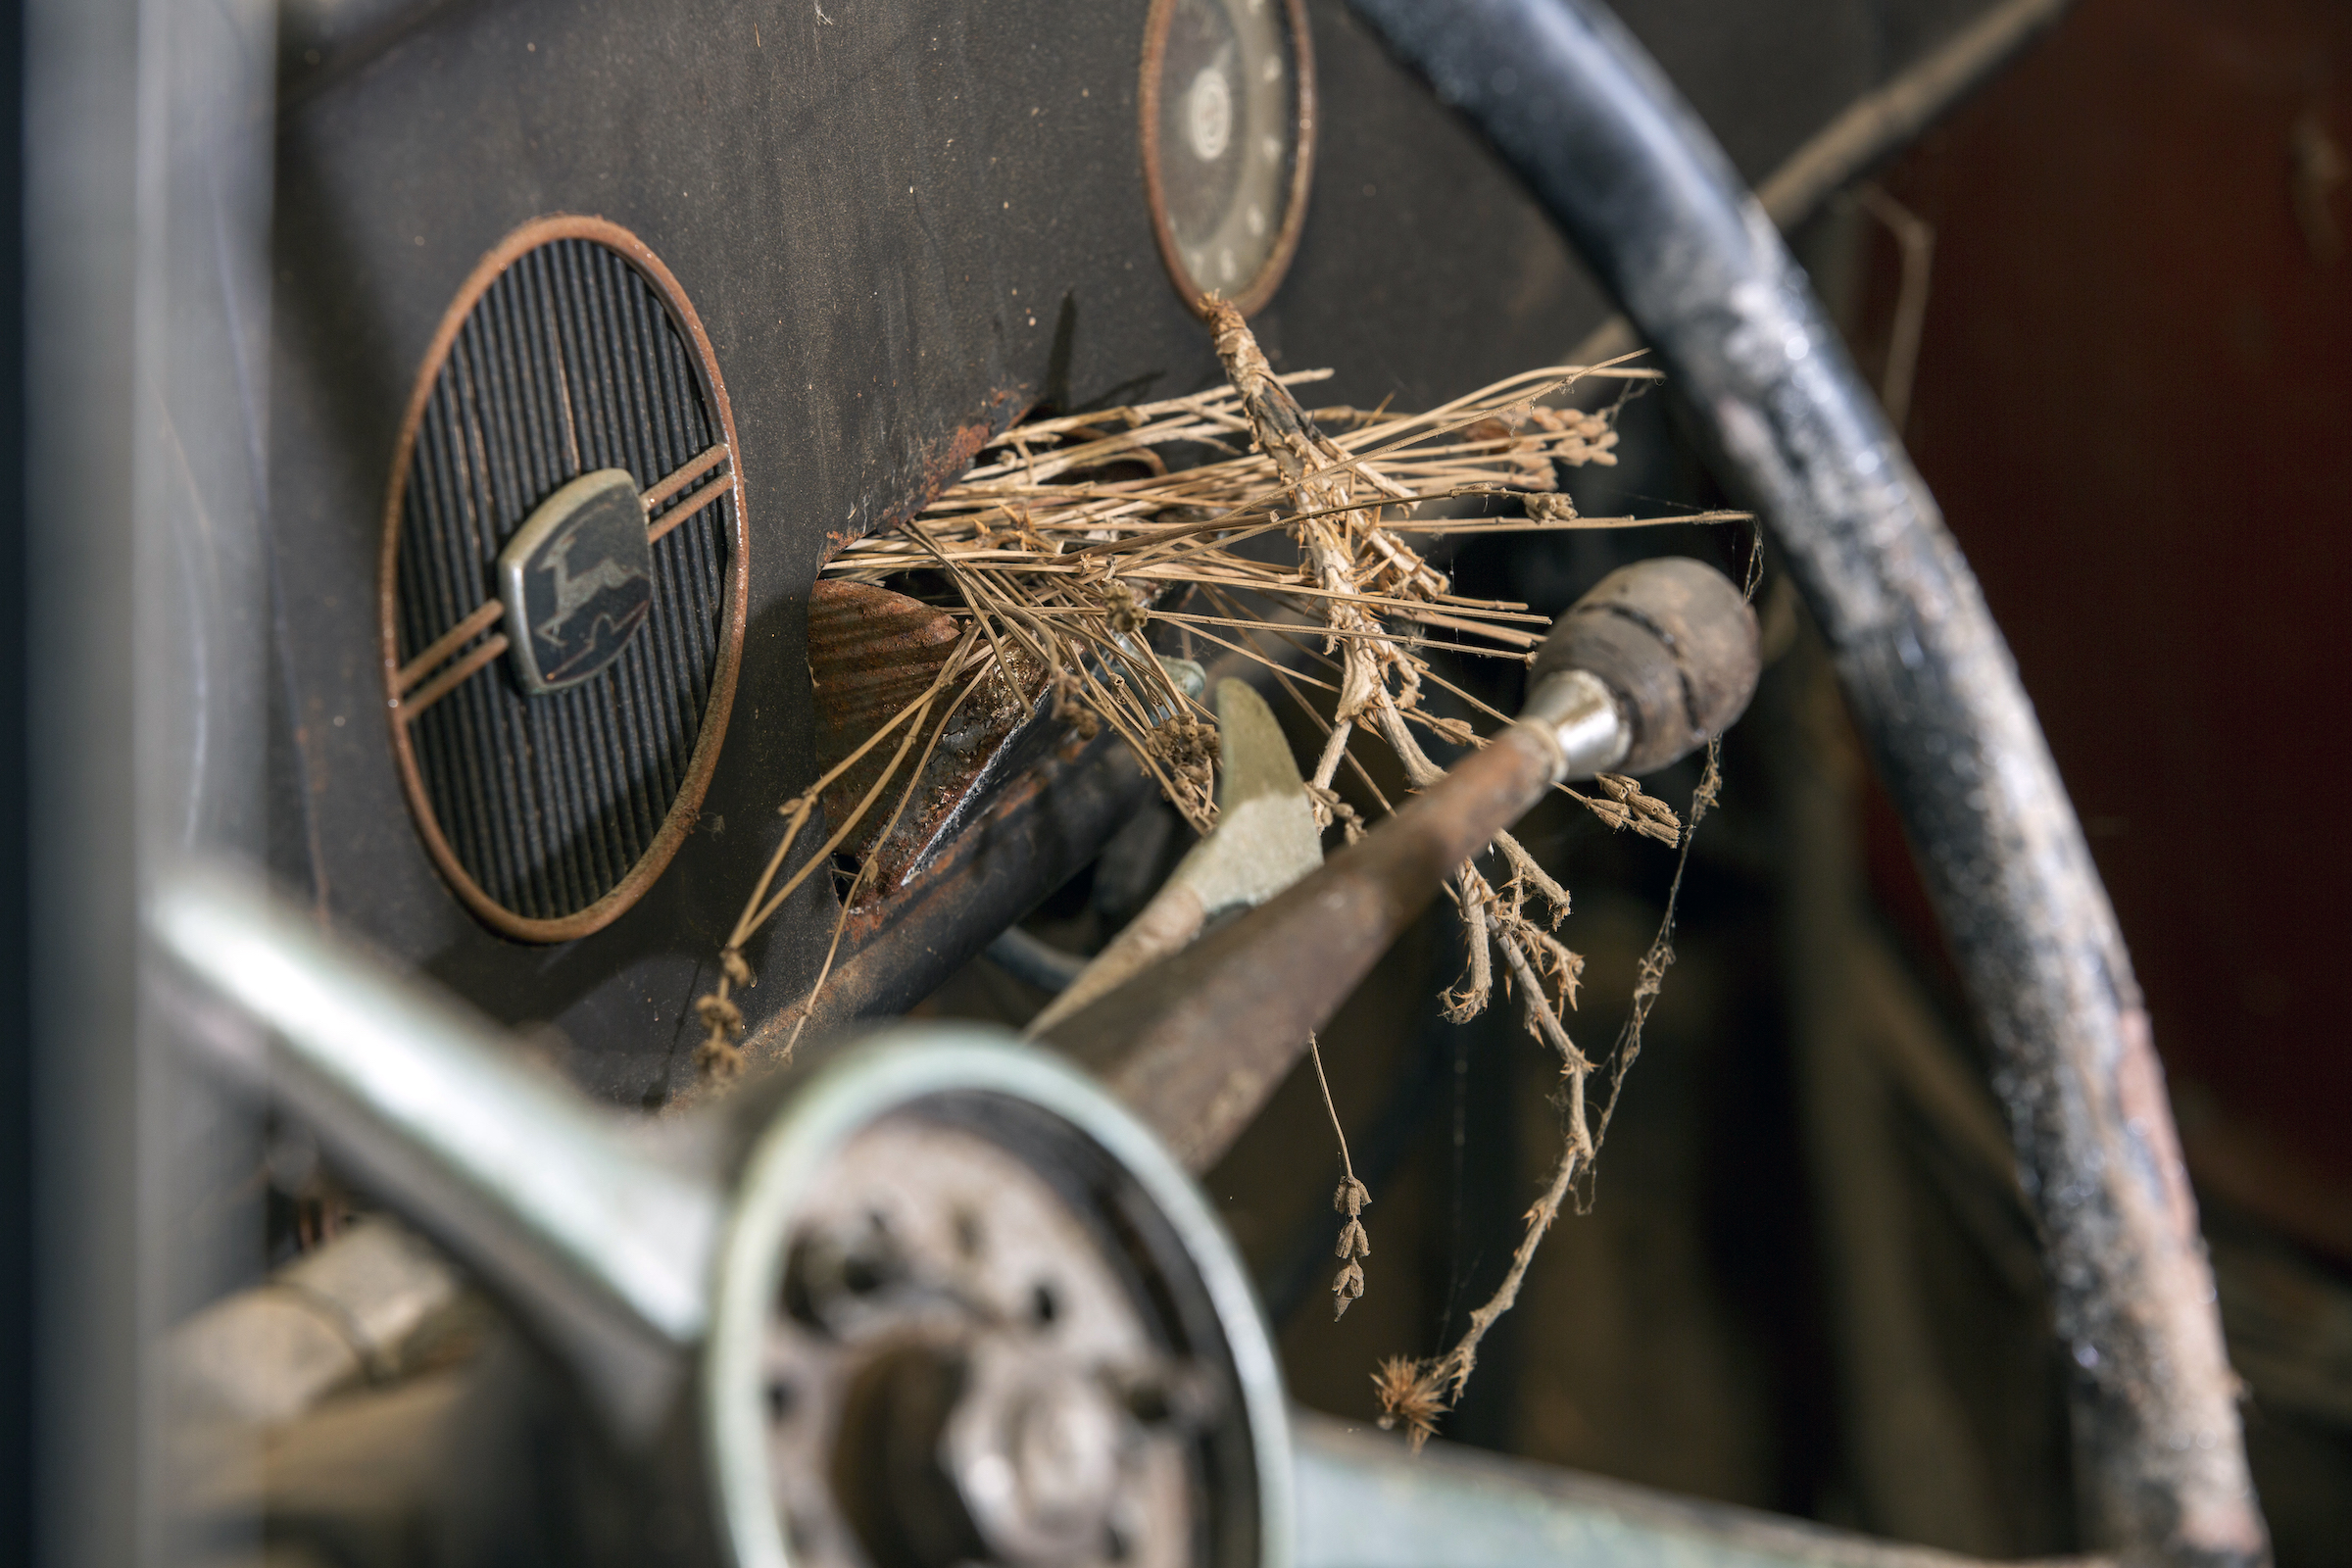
[{"x": 1656, "y": 660}]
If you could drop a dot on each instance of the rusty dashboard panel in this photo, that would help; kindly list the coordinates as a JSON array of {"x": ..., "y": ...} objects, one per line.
[{"x": 854, "y": 239}]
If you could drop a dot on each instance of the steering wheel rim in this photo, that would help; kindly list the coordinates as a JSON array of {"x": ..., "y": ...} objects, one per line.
[{"x": 1591, "y": 127}]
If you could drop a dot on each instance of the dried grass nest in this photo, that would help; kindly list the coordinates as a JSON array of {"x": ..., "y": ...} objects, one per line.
[{"x": 1073, "y": 534}]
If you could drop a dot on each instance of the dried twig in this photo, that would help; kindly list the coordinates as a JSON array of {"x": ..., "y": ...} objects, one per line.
[
  {"x": 1061, "y": 558},
  {"x": 1050, "y": 548},
  {"x": 1418, "y": 1392},
  {"x": 1352, "y": 1200}
]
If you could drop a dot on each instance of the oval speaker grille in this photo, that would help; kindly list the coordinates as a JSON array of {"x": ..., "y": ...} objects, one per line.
[{"x": 570, "y": 402}]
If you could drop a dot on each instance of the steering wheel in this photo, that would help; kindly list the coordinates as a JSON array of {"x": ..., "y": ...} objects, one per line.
[
  {"x": 1597, "y": 134},
  {"x": 1591, "y": 127}
]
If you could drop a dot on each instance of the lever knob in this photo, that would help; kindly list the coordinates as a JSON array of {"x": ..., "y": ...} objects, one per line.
[{"x": 1674, "y": 642}]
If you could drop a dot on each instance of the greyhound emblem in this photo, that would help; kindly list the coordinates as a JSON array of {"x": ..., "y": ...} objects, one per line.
[
  {"x": 565, "y": 624},
  {"x": 573, "y": 594}
]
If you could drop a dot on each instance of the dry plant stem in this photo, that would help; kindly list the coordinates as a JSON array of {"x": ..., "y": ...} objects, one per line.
[
  {"x": 802, "y": 806},
  {"x": 1468, "y": 1000},
  {"x": 1455, "y": 1367},
  {"x": 1575, "y": 525},
  {"x": 1524, "y": 868},
  {"x": 1079, "y": 540},
  {"x": 717, "y": 1056},
  {"x": 866, "y": 870},
  {"x": 1541, "y": 1021},
  {"x": 1380, "y": 683},
  {"x": 1326, "y": 801},
  {"x": 1418, "y": 1392},
  {"x": 765, "y": 912},
  {"x": 1057, "y": 565},
  {"x": 1660, "y": 955},
  {"x": 1352, "y": 1200},
  {"x": 1370, "y": 660},
  {"x": 1328, "y": 804},
  {"x": 1058, "y": 547}
]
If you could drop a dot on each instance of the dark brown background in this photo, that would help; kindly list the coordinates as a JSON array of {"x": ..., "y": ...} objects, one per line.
[{"x": 2134, "y": 402}]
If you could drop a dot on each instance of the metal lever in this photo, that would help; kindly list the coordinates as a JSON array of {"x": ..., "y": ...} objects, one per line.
[
  {"x": 658, "y": 1261},
  {"x": 1265, "y": 840},
  {"x": 1658, "y": 659},
  {"x": 604, "y": 1238}
]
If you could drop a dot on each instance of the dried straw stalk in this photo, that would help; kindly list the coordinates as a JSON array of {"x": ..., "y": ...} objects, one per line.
[{"x": 1061, "y": 552}]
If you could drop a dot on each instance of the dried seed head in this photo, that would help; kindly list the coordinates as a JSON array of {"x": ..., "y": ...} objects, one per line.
[
  {"x": 1189, "y": 747},
  {"x": 1125, "y": 608},
  {"x": 718, "y": 1015},
  {"x": 1347, "y": 1287},
  {"x": 1071, "y": 707},
  {"x": 718, "y": 1059},
  {"x": 1649, "y": 827},
  {"x": 1410, "y": 1392},
  {"x": 1330, "y": 809}
]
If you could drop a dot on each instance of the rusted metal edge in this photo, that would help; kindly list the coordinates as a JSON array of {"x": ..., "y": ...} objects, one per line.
[{"x": 941, "y": 464}]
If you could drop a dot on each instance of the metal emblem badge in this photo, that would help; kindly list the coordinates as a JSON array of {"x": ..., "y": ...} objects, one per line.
[{"x": 577, "y": 579}]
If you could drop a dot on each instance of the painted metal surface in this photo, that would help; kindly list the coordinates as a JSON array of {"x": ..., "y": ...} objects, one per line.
[{"x": 1365, "y": 1503}]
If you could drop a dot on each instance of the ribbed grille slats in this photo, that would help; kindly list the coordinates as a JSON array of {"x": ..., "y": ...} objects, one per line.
[{"x": 568, "y": 362}]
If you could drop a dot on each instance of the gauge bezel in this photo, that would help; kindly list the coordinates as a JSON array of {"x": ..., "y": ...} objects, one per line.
[{"x": 1269, "y": 277}]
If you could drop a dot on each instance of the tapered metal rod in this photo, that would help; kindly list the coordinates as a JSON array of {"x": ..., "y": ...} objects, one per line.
[
  {"x": 1658, "y": 659},
  {"x": 1199, "y": 1044}
]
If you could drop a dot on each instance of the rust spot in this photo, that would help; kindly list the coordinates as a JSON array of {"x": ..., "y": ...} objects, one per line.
[
  {"x": 872, "y": 653},
  {"x": 940, "y": 465}
]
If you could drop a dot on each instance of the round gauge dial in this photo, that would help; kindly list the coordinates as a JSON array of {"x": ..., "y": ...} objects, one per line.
[{"x": 1228, "y": 130}]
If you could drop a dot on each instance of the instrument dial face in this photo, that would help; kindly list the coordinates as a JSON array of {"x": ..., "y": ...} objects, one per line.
[{"x": 1228, "y": 135}]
